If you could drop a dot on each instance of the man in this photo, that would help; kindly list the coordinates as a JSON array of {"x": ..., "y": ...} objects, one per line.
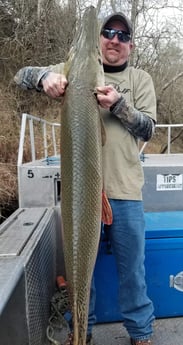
[{"x": 128, "y": 108}]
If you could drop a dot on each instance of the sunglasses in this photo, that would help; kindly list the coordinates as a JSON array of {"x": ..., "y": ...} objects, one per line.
[{"x": 123, "y": 36}]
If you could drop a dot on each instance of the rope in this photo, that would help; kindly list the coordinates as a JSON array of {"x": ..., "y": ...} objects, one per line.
[{"x": 59, "y": 306}]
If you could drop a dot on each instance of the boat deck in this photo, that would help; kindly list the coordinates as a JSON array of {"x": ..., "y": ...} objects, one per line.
[{"x": 167, "y": 331}]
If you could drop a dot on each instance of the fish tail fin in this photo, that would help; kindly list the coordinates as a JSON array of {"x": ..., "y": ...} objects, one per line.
[{"x": 106, "y": 210}]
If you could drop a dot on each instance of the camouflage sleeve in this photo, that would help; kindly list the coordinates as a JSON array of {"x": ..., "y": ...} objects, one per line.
[
  {"x": 29, "y": 77},
  {"x": 136, "y": 122}
]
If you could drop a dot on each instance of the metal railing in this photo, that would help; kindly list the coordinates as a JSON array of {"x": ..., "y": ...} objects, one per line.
[
  {"x": 32, "y": 121},
  {"x": 169, "y": 136}
]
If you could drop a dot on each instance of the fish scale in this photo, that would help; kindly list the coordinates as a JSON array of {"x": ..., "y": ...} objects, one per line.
[{"x": 81, "y": 172}]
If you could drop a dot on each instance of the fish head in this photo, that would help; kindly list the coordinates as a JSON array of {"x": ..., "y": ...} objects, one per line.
[{"x": 85, "y": 53}]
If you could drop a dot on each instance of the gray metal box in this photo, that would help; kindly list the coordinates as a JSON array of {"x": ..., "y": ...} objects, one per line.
[
  {"x": 28, "y": 261},
  {"x": 39, "y": 183},
  {"x": 163, "y": 188}
]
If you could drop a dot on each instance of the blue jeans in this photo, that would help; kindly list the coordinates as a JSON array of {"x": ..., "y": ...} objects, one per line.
[{"x": 127, "y": 238}]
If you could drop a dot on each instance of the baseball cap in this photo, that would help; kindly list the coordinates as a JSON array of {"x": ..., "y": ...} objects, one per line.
[{"x": 118, "y": 16}]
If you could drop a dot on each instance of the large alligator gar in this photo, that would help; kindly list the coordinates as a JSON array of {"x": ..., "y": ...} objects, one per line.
[{"x": 81, "y": 169}]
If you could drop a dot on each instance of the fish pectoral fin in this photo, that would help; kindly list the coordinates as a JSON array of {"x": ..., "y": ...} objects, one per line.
[{"x": 107, "y": 216}]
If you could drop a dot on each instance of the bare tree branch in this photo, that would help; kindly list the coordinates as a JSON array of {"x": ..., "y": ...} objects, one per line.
[{"x": 170, "y": 82}]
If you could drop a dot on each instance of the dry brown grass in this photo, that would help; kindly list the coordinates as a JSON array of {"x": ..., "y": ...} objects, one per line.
[
  {"x": 9, "y": 136},
  {"x": 13, "y": 102},
  {"x": 26, "y": 40}
]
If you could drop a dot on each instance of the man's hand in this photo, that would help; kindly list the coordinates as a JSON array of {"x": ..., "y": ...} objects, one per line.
[
  {"x": 107, "y": 96},
  {"x": 54, "y": 84}
]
